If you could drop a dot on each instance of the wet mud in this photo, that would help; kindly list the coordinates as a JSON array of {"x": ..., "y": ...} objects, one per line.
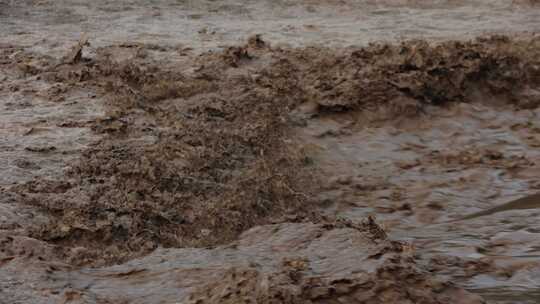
[{"x": 153, "y": 172}]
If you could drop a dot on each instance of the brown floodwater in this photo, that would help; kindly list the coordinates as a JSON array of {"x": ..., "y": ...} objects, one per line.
[
  {"x": 165, "y": 167},
  {"x": 418, "y": 176}
]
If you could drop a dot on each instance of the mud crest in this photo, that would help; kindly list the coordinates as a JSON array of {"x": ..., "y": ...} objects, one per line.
[{"x": 201, "y": 183}]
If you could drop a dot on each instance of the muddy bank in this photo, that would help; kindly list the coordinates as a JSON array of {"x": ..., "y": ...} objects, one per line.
[{"x": 193, "y": 150}]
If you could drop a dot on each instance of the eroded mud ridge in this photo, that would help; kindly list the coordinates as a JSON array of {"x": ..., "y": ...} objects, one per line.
[{"x": 194, "y": 150}]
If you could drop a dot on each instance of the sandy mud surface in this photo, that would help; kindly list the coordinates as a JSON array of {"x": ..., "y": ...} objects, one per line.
[{"x": 269, "y": 152}]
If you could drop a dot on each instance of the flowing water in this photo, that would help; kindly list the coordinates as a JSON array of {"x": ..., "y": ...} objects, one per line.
[{"x": 417, "y": 174}]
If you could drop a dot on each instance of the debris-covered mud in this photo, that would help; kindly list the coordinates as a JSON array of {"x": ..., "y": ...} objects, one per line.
[{"x": 140, "y": 172}]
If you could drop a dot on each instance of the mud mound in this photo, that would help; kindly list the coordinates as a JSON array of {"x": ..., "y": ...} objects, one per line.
[{"x": 194, "y": 154}]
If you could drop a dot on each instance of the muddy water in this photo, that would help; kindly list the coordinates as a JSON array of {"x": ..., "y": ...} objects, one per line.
[
  {"x": 417, "y": 174},
  {"x": 40, "y": 133},
  {"x": 48, "y": 26},
  {"x": 413, "y": 173}
]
